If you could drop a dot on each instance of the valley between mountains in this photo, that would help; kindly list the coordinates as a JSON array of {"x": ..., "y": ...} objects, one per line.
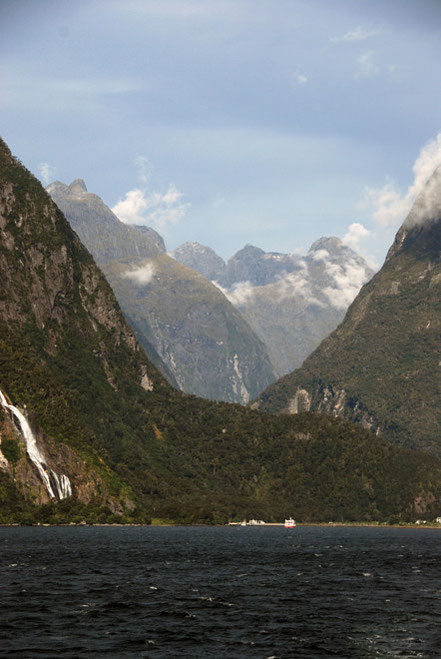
[{"x": 101, "y": 394}]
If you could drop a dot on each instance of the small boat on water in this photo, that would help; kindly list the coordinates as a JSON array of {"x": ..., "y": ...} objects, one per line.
[{"x": 290, "y": 523}]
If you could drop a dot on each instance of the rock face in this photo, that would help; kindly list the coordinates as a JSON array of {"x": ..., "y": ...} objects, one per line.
[
  {"x": 188, "y": 328},
  {"x": 57, "y": 315},
  {"x": 380, "y": 366},
  {"x": 201, "y": 259},
  {"x": 291, "y": 302}
]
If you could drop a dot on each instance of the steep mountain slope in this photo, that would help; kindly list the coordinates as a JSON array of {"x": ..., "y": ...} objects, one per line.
[
  {"x": 291, "y": 302},
  {"x": 98, "y": 226},
  {"x": 65, "y": 351},
  {"x": 186, "y": 325},
  {"x": 381, "y": 365},
  {"x": 203, "y": 340},
  {"x": 82, "y": 406},
  {"x": 202, "y": 259}
]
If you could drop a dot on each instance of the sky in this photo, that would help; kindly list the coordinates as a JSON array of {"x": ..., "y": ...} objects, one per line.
[{"x": 227, "y": 122}]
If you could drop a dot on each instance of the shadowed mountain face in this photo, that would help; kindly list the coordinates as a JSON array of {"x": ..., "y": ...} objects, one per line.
[
  {"x": 381, "y": 367},
  {"x": 74, "y": 380},
  {"x": 290, "y": 301},
  {"x": 188, "y": 328}
]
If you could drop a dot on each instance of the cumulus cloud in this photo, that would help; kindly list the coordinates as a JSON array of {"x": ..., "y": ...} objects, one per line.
[
  {"x": 156, "y": 209},
  {"x": 357, "y": 34},
  {"x": 389, "y": 207},
  {"x": 367, "y": 67},
  {"x": 320, "y": 255},
  {"x": 355, "y": 233},
  {"x": 342, "y": 283},
  {"x": 47, "y": 172},
  {"x": 141, "y": 275},
  {"x": 346, "y": 281},
  {"x": 239, "y": 294},
  {"x": 296, "y": 283}
]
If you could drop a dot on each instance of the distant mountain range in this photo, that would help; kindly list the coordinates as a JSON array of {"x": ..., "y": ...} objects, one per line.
[
  {"x": 188, "y": 328},
  {"x": 219, "y": 330},
  {"x": 381, "y": 367},
  {"x": 290, "y": 301}
]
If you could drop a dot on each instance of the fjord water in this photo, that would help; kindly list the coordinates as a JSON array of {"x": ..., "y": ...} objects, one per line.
[{"x": 220, "y": 592}]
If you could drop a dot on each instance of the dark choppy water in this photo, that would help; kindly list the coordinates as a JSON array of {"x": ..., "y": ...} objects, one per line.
[{"x": 220, "y": 592}]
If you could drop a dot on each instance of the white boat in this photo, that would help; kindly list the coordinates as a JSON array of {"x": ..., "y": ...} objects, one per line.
[{"x": 290, "y": 523}]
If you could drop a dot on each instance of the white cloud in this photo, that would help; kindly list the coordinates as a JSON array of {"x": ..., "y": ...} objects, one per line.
[
  {"x": 301, "y": 78},
  {"x": 347, "y": 280},
  {"x": 356, "y": 232},
  {"x": 389, "y": 207},
  {"x": 358, "y": 34},
  {"x": 366, "y": 65},
  {"x": 320, "y": 255},
  {"x": 130, "y": 210},
  {"x": 240, "y": 294},
  {"x": 47, "y": 172},
  {"x": 141, "y": 275},
  {"x": 295, "y": 283},
  {"x": 156, "y": 209}
]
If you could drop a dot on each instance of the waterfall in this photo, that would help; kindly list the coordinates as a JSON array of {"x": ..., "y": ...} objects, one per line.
[{"x": 50, "y": 479}]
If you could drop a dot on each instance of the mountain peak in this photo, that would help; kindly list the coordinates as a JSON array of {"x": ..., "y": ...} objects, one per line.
[
  {"x": 427, "y": 205},
  {"x": 421, "y": 228},
  {"x": 201, "y": 258},
  {"x": 77, "y": 188},
  {"x": 326, "y": 242}
]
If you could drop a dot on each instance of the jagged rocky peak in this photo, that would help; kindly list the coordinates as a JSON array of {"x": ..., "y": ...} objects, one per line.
[
  {"x": 253, "y": 265},
  {"x": 201, "y": 258},
  {"x": 330, "y": 243},
  {"x": 336, "y": 250},
  {"x": 77, "y": 188}
]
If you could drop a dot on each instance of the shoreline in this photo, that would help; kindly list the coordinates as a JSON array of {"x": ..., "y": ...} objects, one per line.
[{"x": 378, "y": 525}]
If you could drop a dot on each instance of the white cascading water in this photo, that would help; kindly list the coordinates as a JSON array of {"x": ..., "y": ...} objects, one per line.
[{"x": 48, "y": 476}]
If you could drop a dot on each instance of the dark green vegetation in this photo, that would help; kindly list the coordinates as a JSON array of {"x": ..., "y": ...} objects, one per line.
[
  {"x": 67, "y": 353},
  {"x": 382, "y": 365}
]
